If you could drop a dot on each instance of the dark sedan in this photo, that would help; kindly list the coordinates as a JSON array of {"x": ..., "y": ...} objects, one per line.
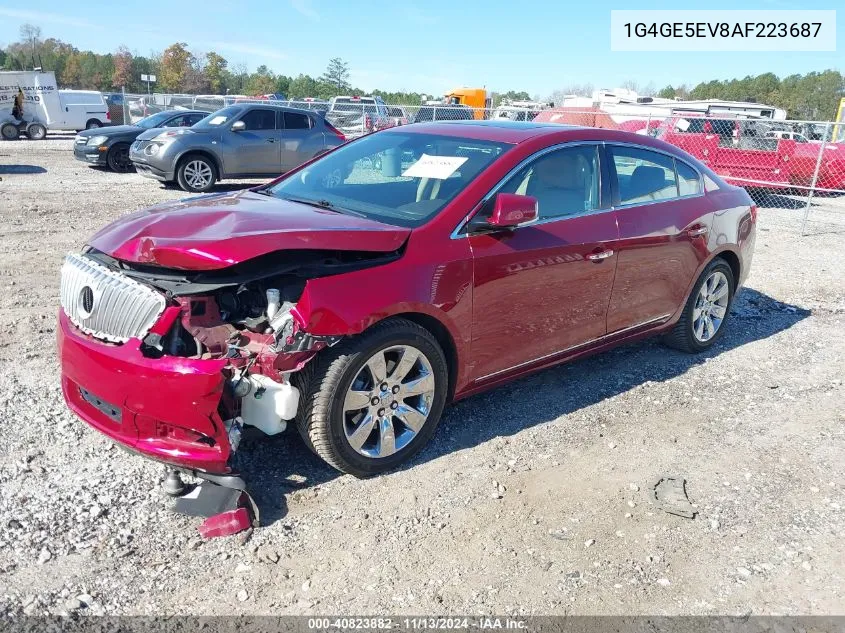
[{"x": 109, "y": 146}]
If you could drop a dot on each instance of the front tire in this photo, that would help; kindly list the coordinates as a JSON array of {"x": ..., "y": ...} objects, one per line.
[
  {"x": 118, "y": 158},
  {"x": 373, "y": 401},
  {"x": 703, "y": 320},
  {"x": 196, "y": 173}
]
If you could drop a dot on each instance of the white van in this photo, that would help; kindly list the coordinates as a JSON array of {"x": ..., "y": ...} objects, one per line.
[
  {"x": 81, "y": 110},
  {"x": 31, "y": 104}
]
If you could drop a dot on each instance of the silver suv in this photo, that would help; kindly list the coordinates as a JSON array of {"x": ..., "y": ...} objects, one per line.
[{"x": 239, "y": 141}]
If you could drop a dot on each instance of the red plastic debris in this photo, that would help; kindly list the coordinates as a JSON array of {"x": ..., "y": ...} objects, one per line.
[{"x": 225, "y": 523}]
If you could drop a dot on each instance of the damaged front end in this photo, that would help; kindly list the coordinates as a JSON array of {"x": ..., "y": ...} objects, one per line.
[{"x": 174, "y": 363}]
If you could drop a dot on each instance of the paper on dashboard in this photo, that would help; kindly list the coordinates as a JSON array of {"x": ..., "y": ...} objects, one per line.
[{"x": 439, "y": 167}]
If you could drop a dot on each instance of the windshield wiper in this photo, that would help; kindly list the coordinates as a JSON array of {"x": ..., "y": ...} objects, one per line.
[{"x": 325, "y": 204}]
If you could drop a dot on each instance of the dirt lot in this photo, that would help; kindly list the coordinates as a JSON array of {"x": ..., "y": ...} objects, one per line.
[{"x": 533, "y": 498}]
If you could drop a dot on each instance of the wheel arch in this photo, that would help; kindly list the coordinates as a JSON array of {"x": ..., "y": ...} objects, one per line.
[
  {"x": 201, "y": 152},
  {"x": 437, "y": 322},
  {"x": 444, "y": 338},
  {"x": 727, "y": 255},
  {"x": 733, "y": 261}
]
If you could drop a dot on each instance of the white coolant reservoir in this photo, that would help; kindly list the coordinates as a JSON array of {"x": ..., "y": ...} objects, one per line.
[
  {"x": 273, "y": 302},
  {"x": 268, "y": 404}
]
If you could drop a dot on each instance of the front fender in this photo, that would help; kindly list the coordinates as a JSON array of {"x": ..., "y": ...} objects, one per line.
[
  {"x": 197, "y": 149},
  {"x": 348, "y": 304}
]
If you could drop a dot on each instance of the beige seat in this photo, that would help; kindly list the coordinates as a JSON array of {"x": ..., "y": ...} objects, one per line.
[
  {"x": 428, "y": 188},
  {"x": 560, "y": 182}
]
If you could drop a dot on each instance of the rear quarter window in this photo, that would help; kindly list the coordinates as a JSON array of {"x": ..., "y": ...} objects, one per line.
[{"x": 689, "y": 182}]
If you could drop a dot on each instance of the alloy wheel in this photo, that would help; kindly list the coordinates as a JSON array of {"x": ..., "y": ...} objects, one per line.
[
  {"x": 711, "y": 306},
  {"x": 121, "y": 159},
  {"x": 389, "y": 401},
  {"x": 198, "y": 174}
]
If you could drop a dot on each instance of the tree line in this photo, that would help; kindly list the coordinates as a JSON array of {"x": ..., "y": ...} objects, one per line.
[{"x": 812, "y": 96}]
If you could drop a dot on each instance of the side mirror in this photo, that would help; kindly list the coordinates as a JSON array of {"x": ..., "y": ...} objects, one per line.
[
  {"x": 512, "y": 209},
  {"x": 238, "y": 126}
]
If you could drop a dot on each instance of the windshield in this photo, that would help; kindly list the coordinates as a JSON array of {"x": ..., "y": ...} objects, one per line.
[
  {"x": 397, "y": 178},
  {"x": 154, "y": 120},
  {"x": 221, "y": 117}
]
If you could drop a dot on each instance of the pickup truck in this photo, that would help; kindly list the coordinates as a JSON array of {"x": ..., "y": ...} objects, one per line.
[
  {"x": 356, "y": 116},
  {"x": 735, "y": 151}
]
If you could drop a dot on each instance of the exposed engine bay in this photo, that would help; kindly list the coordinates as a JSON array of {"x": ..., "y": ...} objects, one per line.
[{"x": 245, "y": 315}]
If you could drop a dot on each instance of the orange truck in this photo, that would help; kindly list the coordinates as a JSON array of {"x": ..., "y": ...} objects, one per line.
[{"x": 475, "y": 98}]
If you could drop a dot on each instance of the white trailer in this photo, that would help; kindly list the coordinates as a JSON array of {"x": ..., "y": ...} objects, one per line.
[{"x": 31, "y": 104}]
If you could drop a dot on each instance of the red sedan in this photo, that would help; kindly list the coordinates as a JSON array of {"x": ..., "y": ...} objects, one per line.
[{"x": 360, "y": 293}]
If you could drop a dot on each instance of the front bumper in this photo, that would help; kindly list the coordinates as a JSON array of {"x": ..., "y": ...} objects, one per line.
[
  {"x": 89, "y": 154},
  {"x": 164, "y": 408},
  {"x": 155, "y": 166}
]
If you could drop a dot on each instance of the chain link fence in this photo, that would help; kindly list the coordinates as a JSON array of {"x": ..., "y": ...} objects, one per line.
[{"x": 794, "y": 170}]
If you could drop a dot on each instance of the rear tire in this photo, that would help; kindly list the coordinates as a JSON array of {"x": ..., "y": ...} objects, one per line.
[
  {"x": 93, "y": 124},
  {"x": 196, "y": 173},
  {"x": 36, "y": 132},
  {"x": 9, "y": 132},
  {"x": 329, "y": 417},
  {"x": 691, "y": 333},
  {"x": 118, "y": 158}
]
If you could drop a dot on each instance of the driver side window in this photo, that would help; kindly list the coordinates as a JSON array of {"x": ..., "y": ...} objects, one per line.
[
  {"x": 565, "y": 182},
  {"x": 256, "y": 120}
]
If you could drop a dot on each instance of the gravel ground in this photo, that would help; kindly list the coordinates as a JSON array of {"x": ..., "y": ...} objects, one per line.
[{"x": 532, "y": 499}]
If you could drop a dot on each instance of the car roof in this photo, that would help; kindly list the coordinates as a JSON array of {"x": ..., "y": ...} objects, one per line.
[
  {"x": 501, "y": 130},
  {"x": 179, "y": 112},
  {"x": 268, "y": 104},
  {"x": 515, "y": 132}
]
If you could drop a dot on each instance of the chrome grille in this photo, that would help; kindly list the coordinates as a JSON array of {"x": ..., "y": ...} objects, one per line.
[{"x": 107, "y": 304}]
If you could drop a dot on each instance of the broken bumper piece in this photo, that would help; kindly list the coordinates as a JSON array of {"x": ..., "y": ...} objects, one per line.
[
  {"x": 165, "y": 408},
  {"x": 224, "y": 501}
]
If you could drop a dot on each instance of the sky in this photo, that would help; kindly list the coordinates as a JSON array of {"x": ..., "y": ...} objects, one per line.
[{"x": 426, "y": 46}]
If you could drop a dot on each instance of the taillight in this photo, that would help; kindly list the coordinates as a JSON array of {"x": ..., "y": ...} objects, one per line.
[
  {"x": 335, "y": 131},
  {"x": 108, "y": 115}
]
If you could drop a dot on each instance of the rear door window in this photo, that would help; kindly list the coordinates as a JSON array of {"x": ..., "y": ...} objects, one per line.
[
  {"x": 643, "y": 176},
  {"x": 296, "y": 121}
]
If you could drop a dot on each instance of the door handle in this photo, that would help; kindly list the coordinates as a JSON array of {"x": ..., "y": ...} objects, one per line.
[
  {"x": 697, "y": 230},
  {"x": 597, "y": 257}
]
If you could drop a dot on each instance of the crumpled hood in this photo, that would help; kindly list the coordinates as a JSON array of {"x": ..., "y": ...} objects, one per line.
[{"x": 220, "y": 230}]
